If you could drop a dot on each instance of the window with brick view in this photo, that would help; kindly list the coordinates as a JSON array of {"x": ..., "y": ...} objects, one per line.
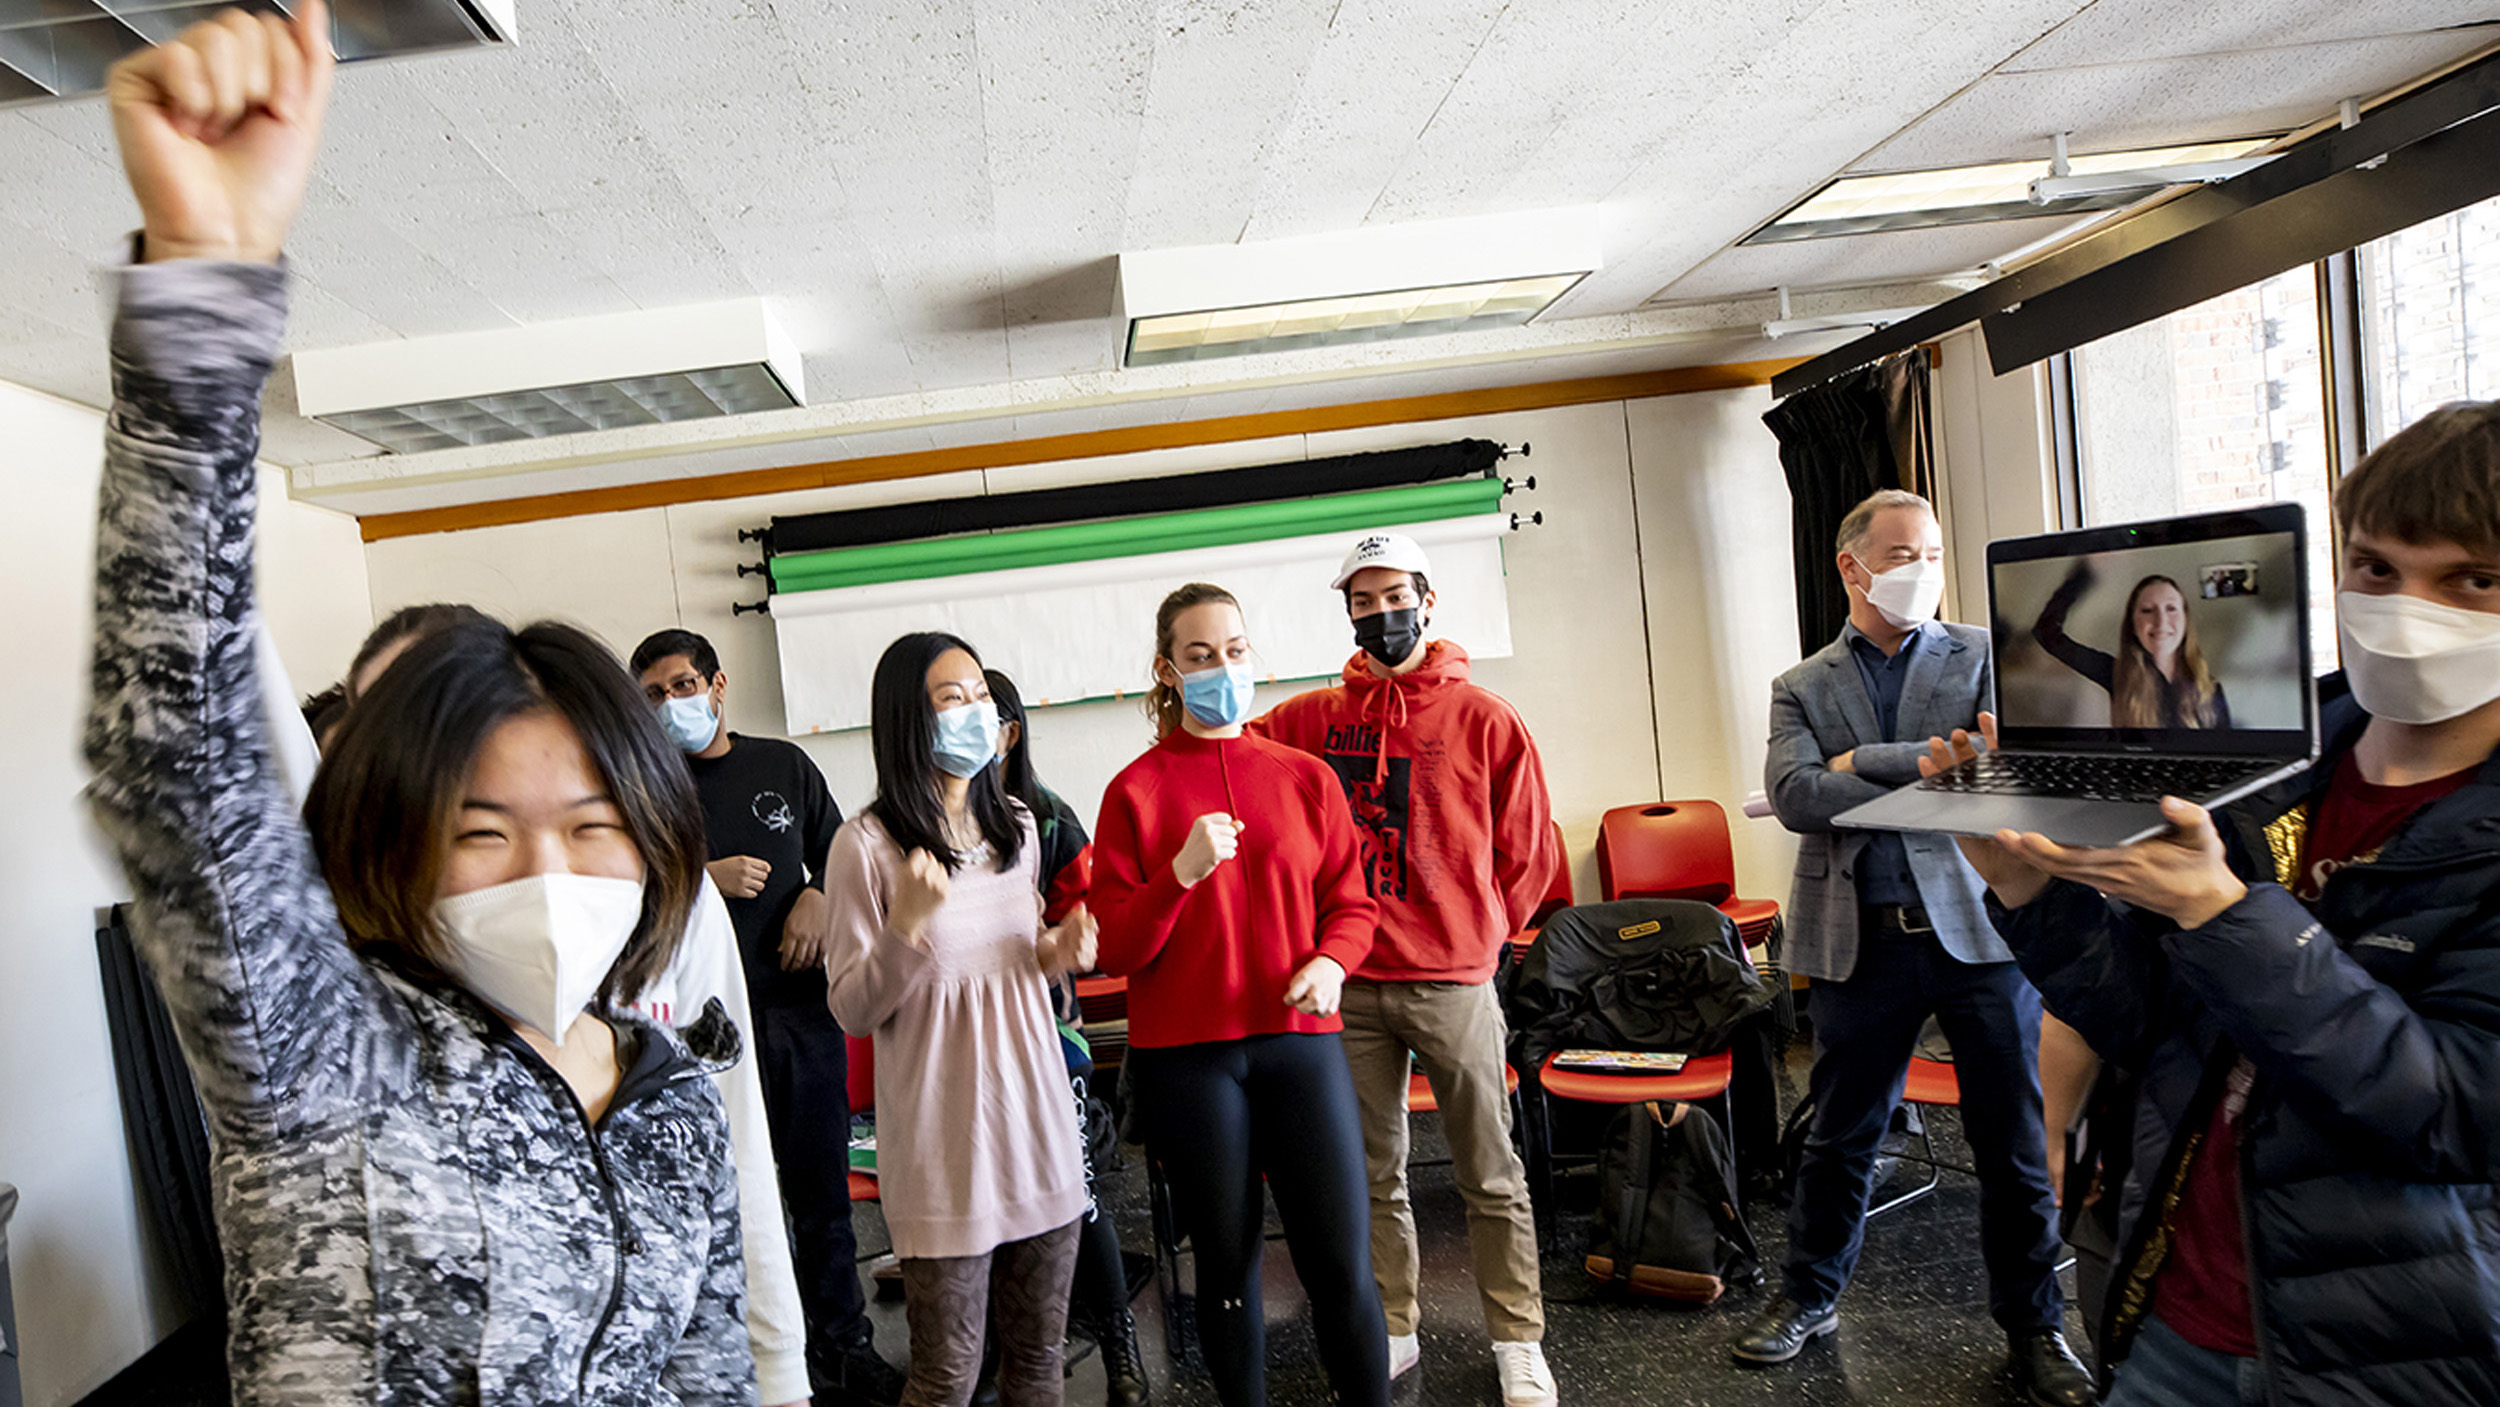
[
  {"x": 2219, "y": 404},
  {"x": 2431, "y": 317}
]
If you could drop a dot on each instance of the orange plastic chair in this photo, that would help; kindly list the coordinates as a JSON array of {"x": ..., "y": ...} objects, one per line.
[
  {"x": 1679, "y": 850},
  {"x": 1931, "y": 1083},
  {"x": 1421, "y": 1100},
  {"x": 1558, "y": 894},
  {"x": 1703, "y": 1080}
]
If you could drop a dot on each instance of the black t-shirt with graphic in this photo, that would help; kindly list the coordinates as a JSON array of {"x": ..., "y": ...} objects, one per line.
[{"x": 765, "y": 798}]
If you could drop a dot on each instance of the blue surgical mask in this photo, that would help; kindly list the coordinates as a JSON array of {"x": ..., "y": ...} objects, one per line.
[
  {"x": 690, "y": 722},
  {"x": 967, "y": 738},
  {"x": 1218, "y": 697}
]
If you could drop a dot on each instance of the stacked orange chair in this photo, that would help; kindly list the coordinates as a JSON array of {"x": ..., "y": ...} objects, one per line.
[{"x": 1679, "y": 850}]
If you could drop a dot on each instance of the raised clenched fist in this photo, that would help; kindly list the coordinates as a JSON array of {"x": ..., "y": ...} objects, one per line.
[
  {"x": 1068, "y": 946},
  {"x": 217, "y": 129},
  {"x": 918, "y": 891},
  {"x": 1213, "y": 839}
]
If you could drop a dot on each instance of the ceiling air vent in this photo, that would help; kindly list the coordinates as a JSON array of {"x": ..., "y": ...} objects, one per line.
[
  {"x": 60, "y": 48},
  {"x": 558, "y": 378}
]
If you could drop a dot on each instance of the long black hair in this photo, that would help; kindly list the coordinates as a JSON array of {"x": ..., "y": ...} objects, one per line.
[
  {"x": 902, "y": 728},
  {"x": 384, "y": 802},
  {"x": 1015, "y": 769}
]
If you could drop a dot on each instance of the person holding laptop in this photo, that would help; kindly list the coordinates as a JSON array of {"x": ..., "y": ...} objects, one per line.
[
  {"x": 2309, "y": 982},
  {"x": 1890, "y": 928}
]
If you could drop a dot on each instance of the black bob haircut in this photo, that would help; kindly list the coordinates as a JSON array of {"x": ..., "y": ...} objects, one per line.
[
  {"x": 902, "y": 726},
  {"x": 388, "y": 793},
  {"x": 661, "y": 644}
]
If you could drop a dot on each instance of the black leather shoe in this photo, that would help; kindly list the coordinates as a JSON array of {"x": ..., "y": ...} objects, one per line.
[
  {"x": 1783, "y": 1329},
  {"x": 855, "y": 1375},
  {"x": 2047, "y": 1373}
]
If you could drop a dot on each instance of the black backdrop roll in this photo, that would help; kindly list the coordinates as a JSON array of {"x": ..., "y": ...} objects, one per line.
[
  {"x": 1840, "y": 442},
  {"x": 1223, "y": 488}
]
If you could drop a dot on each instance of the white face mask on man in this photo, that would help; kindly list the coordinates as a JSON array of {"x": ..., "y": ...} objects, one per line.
[
  {"x": 536, "y": 949},
  {"x": 2416, "y": 661},
  {"x": 1907, "y": 595}
]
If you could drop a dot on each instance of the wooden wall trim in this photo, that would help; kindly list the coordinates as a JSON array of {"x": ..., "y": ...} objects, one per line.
[{"x": 1092, "y": 444}]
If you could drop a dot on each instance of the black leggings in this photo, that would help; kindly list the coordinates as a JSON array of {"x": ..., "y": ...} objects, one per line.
[{"x": 1220, "y": 1115}]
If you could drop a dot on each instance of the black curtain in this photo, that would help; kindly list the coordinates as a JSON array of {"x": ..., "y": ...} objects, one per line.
[
  {"x": 1839, "y": 442},
  {"x": 162, "y": 1111}
]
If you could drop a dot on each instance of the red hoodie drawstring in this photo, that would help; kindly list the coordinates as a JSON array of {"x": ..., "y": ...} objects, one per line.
[{"x": 1389, "y": 693}]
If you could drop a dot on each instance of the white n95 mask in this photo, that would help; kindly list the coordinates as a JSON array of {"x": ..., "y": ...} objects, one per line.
[
  {"x": 536, "y": 949},
  {"x": 2416, "y": 661},
  {"x": 1908, "y": 594}
]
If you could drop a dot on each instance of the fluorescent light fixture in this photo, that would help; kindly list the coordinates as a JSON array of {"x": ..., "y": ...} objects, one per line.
[
  {"x": 560, "y": 378},
  {"x": 1969, "y": 195},
  {"x": 1366, "y": 285},
  {"x": 1830, "y": 322},
  {"x": 60, "y": 48},
  {"x": 2048, "y": 190}
]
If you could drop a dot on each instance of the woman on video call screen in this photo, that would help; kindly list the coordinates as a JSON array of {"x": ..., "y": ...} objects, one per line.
[{"x": 2158, "y": 678}]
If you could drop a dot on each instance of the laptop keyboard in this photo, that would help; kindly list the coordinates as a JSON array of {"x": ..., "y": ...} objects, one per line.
[{"x": 2093, "y": 778}]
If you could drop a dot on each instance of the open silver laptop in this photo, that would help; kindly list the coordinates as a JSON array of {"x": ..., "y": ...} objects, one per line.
[{"x": 2132, "y": 662}]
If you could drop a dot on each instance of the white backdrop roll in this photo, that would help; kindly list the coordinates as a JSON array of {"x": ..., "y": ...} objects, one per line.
[{"x": 1085, "y": 630}]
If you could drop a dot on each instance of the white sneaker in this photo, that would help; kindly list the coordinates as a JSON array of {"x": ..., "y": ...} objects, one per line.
[
  {"x": 1405, "y": 1351},
  {"x": 1526, "y": 1381}
]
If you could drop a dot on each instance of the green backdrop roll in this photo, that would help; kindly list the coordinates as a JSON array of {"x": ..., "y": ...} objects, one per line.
[{"x": 1129, "y": 537}]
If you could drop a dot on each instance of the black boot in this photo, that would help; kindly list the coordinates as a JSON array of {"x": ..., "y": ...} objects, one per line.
[
  {"x": 1123, "y": 1369},
  {"x": 2047, "y": 1373}
]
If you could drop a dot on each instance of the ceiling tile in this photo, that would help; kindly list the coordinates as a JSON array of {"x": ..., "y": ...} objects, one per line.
[{"x": 2129, "y": 31}]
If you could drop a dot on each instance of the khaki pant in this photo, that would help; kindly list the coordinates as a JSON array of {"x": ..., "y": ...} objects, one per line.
[{"x": 1455, "y": 1034}]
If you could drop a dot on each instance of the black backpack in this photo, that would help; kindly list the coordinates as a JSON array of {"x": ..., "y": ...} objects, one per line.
[{"x": 1667, "y": 1226}]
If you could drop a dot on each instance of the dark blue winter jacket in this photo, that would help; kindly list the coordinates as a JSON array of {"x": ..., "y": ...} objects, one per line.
[{"x": 2370, "y": 1139}]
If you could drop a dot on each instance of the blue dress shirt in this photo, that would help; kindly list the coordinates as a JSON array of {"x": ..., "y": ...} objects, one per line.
[{"x": 1884, "y": 875}]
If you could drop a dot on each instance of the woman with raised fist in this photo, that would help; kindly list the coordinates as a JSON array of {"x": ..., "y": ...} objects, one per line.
[
  {"x": 1229, "y": 886},
  {"x": 937, "y": 952}
]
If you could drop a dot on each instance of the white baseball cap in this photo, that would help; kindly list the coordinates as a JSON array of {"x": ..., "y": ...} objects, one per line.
[{"x": 1392, "y": 551}]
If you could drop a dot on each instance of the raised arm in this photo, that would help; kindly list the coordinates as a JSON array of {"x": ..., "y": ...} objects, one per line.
[
  {"x": 217, "y": 132},
  {"x": 2050, "y": 629},
  {"x": 872, "y": 954}
]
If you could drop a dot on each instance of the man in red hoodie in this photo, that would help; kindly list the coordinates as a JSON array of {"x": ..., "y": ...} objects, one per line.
[{"x": 1449, "y": 800}]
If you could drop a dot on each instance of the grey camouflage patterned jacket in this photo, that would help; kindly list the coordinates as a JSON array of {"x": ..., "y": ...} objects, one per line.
[{"x": 413, "y": 1207}]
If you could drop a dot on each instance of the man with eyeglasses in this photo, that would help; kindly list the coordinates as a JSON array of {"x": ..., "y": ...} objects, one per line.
[{"x": 770, "y": 819}]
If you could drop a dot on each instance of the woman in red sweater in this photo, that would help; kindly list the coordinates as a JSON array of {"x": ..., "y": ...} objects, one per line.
[{"x": 1229, "y": 887}]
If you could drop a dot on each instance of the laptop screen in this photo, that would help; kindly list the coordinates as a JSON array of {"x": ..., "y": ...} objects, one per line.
[{"x": 2181, "y": 636}]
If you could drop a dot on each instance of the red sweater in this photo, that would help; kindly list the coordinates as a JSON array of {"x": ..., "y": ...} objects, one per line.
[
  {"x": 1211, "y": 962},
  {"x": 1458, "y": 837}
]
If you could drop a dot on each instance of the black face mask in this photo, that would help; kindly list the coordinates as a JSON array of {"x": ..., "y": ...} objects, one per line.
[{"x": 1390, "y": 636}]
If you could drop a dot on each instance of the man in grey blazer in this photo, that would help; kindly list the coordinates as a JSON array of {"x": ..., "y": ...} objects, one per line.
[{"x": 1891, "y": 930}]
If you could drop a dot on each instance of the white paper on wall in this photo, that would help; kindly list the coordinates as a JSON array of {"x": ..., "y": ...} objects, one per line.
[{"x": 1085, "y": 630}]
